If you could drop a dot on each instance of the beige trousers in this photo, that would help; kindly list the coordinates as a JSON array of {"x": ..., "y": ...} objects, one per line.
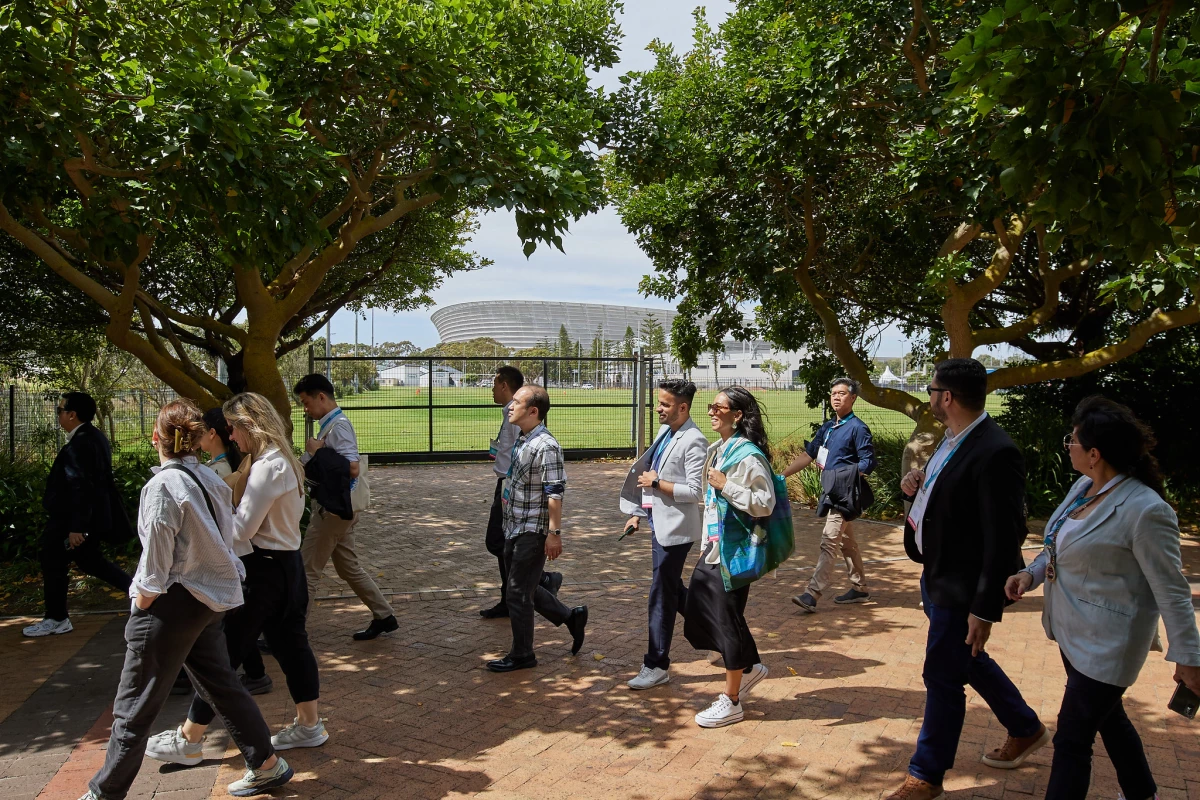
[
  {"x": 330, "y": 536},
  {"x": 837, "y": 539}
]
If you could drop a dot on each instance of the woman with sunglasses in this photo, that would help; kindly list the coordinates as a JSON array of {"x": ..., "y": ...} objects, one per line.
[
  {"x": 739, "y": 471},
  {"x": 1111, "y": 567}
]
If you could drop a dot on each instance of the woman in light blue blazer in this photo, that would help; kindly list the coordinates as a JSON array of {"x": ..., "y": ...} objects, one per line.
[{"x": 1111, "y": 567}]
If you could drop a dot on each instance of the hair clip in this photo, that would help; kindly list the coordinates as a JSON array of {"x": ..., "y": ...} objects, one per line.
[{"x": 178, "y": 439}]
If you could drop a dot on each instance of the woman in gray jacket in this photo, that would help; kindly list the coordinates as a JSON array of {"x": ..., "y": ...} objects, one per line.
[{"x": 1111, "y": 567}]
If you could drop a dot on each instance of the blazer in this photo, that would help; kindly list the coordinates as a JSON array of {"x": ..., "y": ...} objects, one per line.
[
  {"x": 1114, "y": 576},
  {"x": 81, "y": 495},
  {"x": 328, "y": 475},
  {"x": 679, "y": 516},
  {"x": 844, "y": 490},
  {"x": 974, "y": 525}
]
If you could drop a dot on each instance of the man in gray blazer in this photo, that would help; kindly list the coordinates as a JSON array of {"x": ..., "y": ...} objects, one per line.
[{"x": 663, "y": 488}]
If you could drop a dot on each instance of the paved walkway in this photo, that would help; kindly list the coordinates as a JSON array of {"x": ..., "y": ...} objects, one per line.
[{"x": 415, "y": 715}]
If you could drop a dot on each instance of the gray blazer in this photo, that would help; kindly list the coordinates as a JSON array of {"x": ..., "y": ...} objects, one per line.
[
  {"x": 1115, "y": 575},
  {"x": 678, "y": 517}
]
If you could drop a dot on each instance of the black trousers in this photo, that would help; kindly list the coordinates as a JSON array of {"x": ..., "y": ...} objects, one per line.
[
  {"x": 714, "y": 619},
  {"x": 276, "y": 593},
  {"x": 176, "y": 630},
  {"x": 668, "y": 597},
  {"x": 494, "y": 539},
  {"x": 56, "y": 565},
  {"x": 526, "y": 557},
  {"x": 1090, "y": 707}
]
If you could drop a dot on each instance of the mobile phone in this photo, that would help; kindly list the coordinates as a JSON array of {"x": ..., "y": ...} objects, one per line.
[
  {"x": 628, "y": 530},
  {"x": 67, "y": 542},
  {"x": 1184, "y": 702}
]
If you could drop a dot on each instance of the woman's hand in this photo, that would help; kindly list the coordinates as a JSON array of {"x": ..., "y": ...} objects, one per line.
[
  {"x": 144, "y": 601},
  {"x": 1017, "y": 585},
  {"x": 1188, "y": 676},
  {"x": 716, "y": 478}
]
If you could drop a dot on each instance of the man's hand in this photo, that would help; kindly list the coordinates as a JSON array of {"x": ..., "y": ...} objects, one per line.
[
  {"x": 1017, "y": 585},
  {"x": 633, "y": 522},
  {"x": 647, "y": 479},
  {"x": 75, "y": 539},
  {"x": 313, "y": 445},
  {"x": 553, "y": 546},
  {"x": 978, "y": 632},
  {"x": 1188, "y": 676},
  {"x": 716, "y": 478},
  {"x": 144, "y": 601},
  {"x": 911, "y": 482}
]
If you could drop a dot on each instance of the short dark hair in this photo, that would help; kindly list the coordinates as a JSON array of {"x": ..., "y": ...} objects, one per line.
[
  {"x": 510, "y": 376},
  {"x": 539, "y": 400},
  {"x": 685, "y": 390},
  {"x": 313, "y": 384},
  {"x": 966, "y": 379},
  {"x": 81, "y": 403},
  {"x": 849, "y": 383}
]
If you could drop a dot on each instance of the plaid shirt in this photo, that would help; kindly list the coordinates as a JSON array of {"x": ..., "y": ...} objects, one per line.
[{"x": 537, "y": 474}]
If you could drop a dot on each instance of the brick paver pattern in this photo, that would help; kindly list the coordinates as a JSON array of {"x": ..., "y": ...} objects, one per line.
[{"x": 415, "y": 715}]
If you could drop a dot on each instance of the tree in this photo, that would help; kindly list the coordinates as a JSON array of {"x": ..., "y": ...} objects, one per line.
[
  {"x": 628, "y": 343},
  {"x": 654, "y": 336},
  {"x": 225, "y": 176},
  {"x": 1023, "y": 175},
  {"x": 774, "y": 369}
]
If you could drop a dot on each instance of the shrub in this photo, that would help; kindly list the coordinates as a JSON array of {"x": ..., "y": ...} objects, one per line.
[{"x": 805, "y": 486}]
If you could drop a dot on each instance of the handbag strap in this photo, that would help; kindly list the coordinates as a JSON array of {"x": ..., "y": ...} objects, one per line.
[{"x": 203, "y": 491}]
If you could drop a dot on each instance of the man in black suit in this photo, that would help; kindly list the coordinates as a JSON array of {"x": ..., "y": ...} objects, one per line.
[
  {"x": 966, "y": 526},
  {"x": 84, "y": 507}
]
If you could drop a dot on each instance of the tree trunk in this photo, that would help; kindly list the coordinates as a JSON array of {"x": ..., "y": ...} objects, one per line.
[
  {"x": 923, "y": 442},
  {"x": 260, "y": 370}
]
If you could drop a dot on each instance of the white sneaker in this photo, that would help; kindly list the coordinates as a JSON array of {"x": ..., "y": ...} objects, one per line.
[
  {"x": 715, "y": 657},
  {"x": 48, "y": 627},
  {"x": 257, "y": 781},
  {"x": 650, "y": 677},
  {"x": 753, "y": 678},
  {"x": 297, "y": 735},
  {"x": 90, "y": 795},
  {"x": 721, "y": 713},
  {"x": 171, "y": 747}
]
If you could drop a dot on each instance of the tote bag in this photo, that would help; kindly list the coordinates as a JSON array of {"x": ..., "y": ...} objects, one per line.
[{"x": 753, "y": 546}]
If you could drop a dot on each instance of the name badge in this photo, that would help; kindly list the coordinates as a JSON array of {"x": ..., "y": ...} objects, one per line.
[
  {"x": 712, "y": 522},
  {"x": 647, "y": 498},
  {"x": 493, "y": 448},
  {"x": 822, "y": 457},
  {"x": 917, "y": 512}
]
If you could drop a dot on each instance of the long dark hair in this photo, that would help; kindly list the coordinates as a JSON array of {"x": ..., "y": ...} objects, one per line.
[
  {"x": 214, "y": 419},
  {"x": 1124, "y": 441},
  {"x": 753, "y": 423}
]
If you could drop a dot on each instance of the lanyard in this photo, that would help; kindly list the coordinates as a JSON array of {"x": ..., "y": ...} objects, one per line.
[
  {"x": 1052, "y": 531},
  {"x": 837, "y": 423},
  {"x": 332, "y": 419},
  {"x": 933, "y": 477},
  {"x": 218, "y": 458},
  {"x": 518, "y": 446},
  {"x": 661, "y": 451}
]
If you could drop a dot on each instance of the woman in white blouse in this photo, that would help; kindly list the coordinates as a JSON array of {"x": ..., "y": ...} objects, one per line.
[
  {"x": 267, "y": 537},
  {"x": 714, "y": 619},
  {"x": 1112, "y": 568},
  {"x": 187, "y": 578}
]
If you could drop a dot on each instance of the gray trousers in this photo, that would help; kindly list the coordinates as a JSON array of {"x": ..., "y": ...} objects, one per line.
[
  {"x": 526, "y": 557},
  {"x": 177, "y": 630}
]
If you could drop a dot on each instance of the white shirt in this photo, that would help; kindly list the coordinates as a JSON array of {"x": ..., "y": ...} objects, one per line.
[
  {"x": 937, "y": 463},
  {"x": 269, "y": 515},
  {"x": 336, "y": 431},
  {"x": 183, "y": 543},
  {"x": 505, "y": 439}
]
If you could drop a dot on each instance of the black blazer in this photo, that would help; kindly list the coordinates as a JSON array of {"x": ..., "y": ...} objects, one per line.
[
  {"x": 81, "y": 496},
  {"x": 974, "y": 525}
]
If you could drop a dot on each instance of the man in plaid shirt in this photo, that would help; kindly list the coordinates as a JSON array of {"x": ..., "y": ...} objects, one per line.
[{"x": 532, "y": 498}]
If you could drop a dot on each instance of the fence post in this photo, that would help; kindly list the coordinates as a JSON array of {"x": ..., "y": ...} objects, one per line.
[
  {"x": 545, "y": 375},
  {"x": 312, "y": 363},
  {"x": 12, "y": 422},
  {"x": 641, "y": 404},
  {"x": 430, "y": 399}
]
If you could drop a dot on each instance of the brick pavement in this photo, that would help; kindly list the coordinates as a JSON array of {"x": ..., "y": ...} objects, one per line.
[{"x": 415, "y": 715}]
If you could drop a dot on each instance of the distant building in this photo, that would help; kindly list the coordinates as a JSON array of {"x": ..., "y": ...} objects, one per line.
[{"x": 414, "y": 374}]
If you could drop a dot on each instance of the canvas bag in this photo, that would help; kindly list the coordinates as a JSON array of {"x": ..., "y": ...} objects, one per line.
[
  {"x": 360, "y": 495},
  {"x": 750, "y": 547}
]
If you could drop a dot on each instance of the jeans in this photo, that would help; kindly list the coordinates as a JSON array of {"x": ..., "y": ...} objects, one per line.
[
  {"x": 56, "y": 564},
  {"x": 494, "y": 538},
  {"x": 1090, "y": 707},
  {"x": 949, "y": 666},
  {"x": 668, "y": 596},
  {"x": 176, "y": 630},
  {"x": 330, "y": 536},
  {"x": 276, "y": 606},
  {"x": 837, "y": 540},
  {"x": 526, "y": 556}
]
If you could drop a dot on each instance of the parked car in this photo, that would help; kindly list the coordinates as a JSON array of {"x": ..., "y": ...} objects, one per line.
[{"x": 586, "y": 386}]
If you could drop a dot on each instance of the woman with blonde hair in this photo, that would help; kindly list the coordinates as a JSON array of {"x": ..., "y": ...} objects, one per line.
[
  {"x": 267, "y": 537},
  {"x": 187, "y": 578}
]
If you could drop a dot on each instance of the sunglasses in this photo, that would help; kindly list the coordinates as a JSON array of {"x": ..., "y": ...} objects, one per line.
[{"x": 715, "y": 409}]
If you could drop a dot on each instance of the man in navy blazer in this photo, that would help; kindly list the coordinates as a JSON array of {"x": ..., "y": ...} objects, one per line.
[
  {"x": 84, "y": 507},
  {"x": 663, "y": 489},
  {"x": 965, "y": 527}
]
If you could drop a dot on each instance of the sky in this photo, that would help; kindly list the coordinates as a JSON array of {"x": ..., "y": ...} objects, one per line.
[{"x": 602, "y": 262}]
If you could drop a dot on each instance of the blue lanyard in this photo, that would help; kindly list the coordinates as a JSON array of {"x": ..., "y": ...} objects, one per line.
[
  {"x": 931, "y": 478},
  {"x": 837, "y": 423},
  {"x": 218, "y": 458},
  {"x": 517, "y": 447},
  {"x": 656, "y": 462},
  {"x": 1053, "y": 529},
  {"x": 332, "y": 419}
]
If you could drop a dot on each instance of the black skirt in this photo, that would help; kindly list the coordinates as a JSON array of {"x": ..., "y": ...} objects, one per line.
[{"x": 716, "y": 620}]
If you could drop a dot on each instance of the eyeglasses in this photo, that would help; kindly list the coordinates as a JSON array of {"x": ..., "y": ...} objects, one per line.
[
  {"x": 933, "y": 389},
  {"x": 716, "y": 409},
  {"x": 59, "y": 410},
  {"x": 1068, "y": 441}
]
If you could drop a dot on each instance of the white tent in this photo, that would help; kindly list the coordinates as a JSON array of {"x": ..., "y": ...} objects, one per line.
[{"x": 888, "y": 376}]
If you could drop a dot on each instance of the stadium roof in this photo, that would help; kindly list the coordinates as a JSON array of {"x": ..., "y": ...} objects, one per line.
[{"x": 524, "y": 323}]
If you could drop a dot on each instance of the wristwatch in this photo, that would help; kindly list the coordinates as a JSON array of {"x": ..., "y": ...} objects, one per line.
[
  {"x": 555, "y": 532},
  {"x": 654, "y": 483}
]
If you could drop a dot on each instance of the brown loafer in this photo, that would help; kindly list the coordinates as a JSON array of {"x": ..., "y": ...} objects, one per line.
[
  {"x": 1015, "y": 750},
  {"x": 917, "y": 789}
]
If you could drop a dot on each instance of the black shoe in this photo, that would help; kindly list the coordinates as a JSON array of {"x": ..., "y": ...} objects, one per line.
[
  {"x": 260, "y": 685},
  {"x": 377, "y": 626},
  {"x": 853, "y": 596},
  {"x": 506, "y": 664},
  {"x": 495, "y": 612},
  {"x": 575, "y": 624},
  {"x": 551, "y": 582},
  {"x": 263, "y": 647}
]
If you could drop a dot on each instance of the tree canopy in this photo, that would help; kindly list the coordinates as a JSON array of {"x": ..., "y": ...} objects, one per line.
[
  {"x": 224, "y": 176},
  {"x": 979, "y": 175}
]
